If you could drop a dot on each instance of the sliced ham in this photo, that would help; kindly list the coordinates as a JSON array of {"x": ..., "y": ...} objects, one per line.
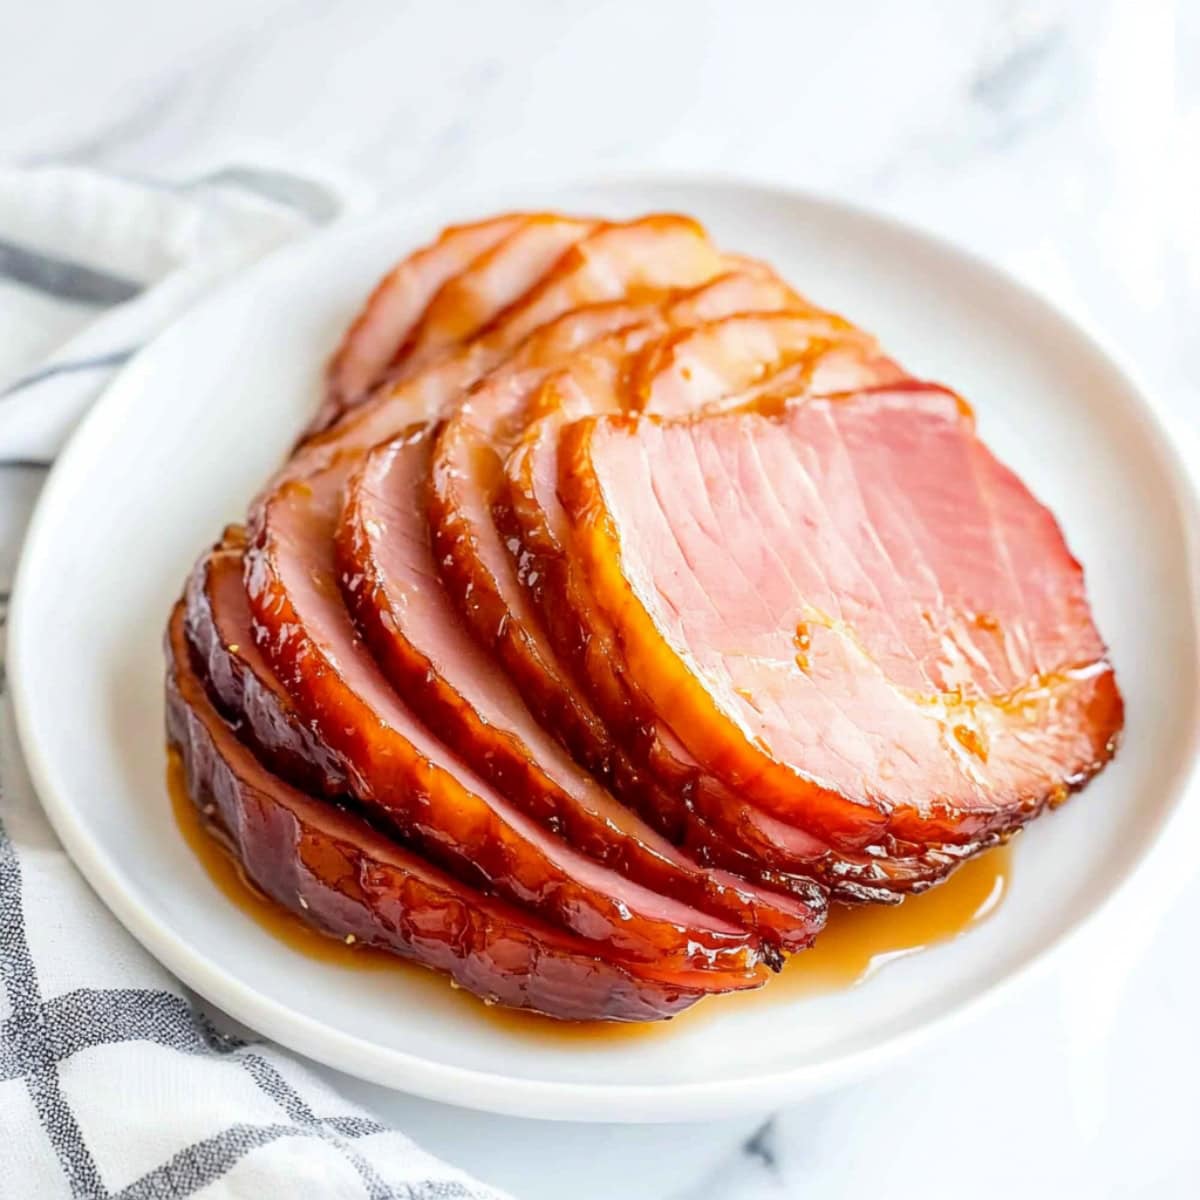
[
  {"x": 466, "y": 482},
  {"x": 499, "y": 277},
  {"x": 714, "y": 362},
  {"x": 336, "y": 872},
  {"x": 723, "y": 358},
  {"x": 695, "y": 366},
  {"x": 221, "y": 636},
  {"x": 848, "y": 608},
  {"x": 391, "y": 584},
  {"x": 405, "y": 776},
  {"x": 706, "y": 364},
  {"x": 586, "y": 287},
  {"x": 479, "y": 574},
  {"x": 619, "y": 609},
  {"x": 380, "y": 331},
  {"x": 624, "y": 262}
]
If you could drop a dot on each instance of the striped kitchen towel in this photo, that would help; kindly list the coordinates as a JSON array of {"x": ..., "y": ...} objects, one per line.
[{"x": 114, "y": 1082}]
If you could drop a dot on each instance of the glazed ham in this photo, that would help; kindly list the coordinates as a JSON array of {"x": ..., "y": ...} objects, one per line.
[
  {"x": 390, "y": 581},
  {"x": 473, "y": 551},
  {"x": 467, "y": 485},
  {"x": 379, "y": 333},
  {"x": 501, "y": 276},
  {"x": 338, "y": 873},
  {"x": 834, "y": 604},
  {"x": 619, "y": 609},
  {"x": 642, "y": 258},
  {"x": 537, "y": 529},
  {"x": 406, "y": 778},
  {"x": 222, "y": 639}
]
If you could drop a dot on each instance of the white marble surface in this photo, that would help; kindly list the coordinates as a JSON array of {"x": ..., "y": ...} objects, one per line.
[{"x": 1059, "y": 138}]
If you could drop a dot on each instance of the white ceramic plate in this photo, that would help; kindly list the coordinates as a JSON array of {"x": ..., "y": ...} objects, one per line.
[{"x": 184, "y": 436}]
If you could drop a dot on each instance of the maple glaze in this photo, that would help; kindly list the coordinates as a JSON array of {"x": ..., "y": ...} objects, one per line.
[
  {"x": 855, "y": 945},
  {"x": 207, "y": 843},
  {"x": 858, "y": 942}
]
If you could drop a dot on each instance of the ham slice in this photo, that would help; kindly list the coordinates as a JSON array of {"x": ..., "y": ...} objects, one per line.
[
  {"x": 466, "y": 482},
  {"x": 221, "y": 636},
  {"x": 716, "y": 362},
  {"x": 705, "y": 363},
  {"x": 414, "y": 401},
  {"x": 379, "y": 332},
  {"x": 820, "y": 351},
  {"x": 478, "y": 573},
  {"x": 405, "y": 776},
  {"x": 823, "y": 601},
  {"x": 391, "y": 584},
  {"x": 640, "y": 257},
  {"x": 498, "y": 278},
  {"x": 335, "y": 871},
  {"x": 624, "y": 262}
]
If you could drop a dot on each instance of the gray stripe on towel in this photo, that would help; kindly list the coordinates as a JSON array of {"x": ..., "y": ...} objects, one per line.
[
  {"x": 307, "y": 196},
  {"x": 114, "y": 358},
  {"x": 62, "y": 278}
]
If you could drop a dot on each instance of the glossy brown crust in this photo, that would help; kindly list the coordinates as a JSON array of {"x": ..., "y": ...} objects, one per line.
[
  {"x": 834, "y": 815},
  {"x": 220, "y": 634},
  {"x": 382, "y": 526},
  {"x": 404, "y": 776},
  {"x": 244, "y": 686},
  {"x": 341, "y": 876},
  {"x": 241, "y": 682},
  {"x": 376, "y": 338},
  {"x": 496, "y": 280}
]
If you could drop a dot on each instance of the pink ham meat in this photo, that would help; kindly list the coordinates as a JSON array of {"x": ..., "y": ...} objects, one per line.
[
  {"x": 396, "y": 305},
  {"x": 336, "y": 872},
  {"x": 408, "y": 778},
  {"x": 688, "y": 252},
  {"x": 698, "y": 366},
  {"x": 715, "y": 362},
  {"x": 414, "y": 401},
  {"x": 693, "y": 367},
  {"x": 477, "y": 571},
  {"x": 848, "y": 608},
  {"x": 391, "y": 584},
  {"x": 466, "y": 482},
  {"x": 619, "y": 608},
  {"x": 470, "y": 301},
  {"x": 642, "y": 257}
]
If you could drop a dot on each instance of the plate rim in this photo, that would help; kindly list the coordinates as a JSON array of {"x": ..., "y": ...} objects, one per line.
[{"x": 1172, "y": 442}]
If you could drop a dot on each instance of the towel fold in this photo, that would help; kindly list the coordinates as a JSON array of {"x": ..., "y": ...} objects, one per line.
[{"x": 114, "y": 1081}]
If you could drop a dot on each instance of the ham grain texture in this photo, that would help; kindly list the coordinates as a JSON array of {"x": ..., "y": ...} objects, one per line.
[
  {"x": 848, "y": 608},
  {"x": 336, "y": 872},
  {"x": 411, "y": 781}
]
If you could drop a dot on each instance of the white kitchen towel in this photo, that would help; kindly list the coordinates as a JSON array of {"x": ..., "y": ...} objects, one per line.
[{"x": 113, "y": 1080}]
